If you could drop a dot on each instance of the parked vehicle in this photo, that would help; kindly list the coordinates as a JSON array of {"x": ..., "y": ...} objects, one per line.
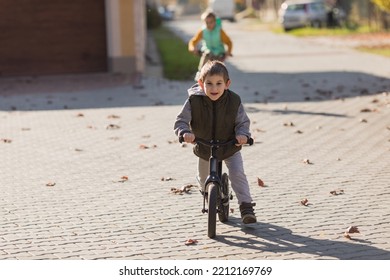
[
  {"x": 166, "y": 13},
  {"x": 224, "y": 9},
  {"x": 301, "y": 13}
]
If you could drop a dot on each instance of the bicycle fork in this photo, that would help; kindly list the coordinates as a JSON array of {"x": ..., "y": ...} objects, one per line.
[{"x": 214, "y": 177}]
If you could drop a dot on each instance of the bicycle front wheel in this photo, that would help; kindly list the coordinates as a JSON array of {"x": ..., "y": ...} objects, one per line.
[
  {"x": 223, "y": 201},
  {"x": 212, "y": 211}
]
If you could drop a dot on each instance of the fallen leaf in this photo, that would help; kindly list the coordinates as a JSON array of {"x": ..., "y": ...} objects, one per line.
[
  {"x": 122, "y": 180},
  {"x": 299, "y": 131},
  {"x": 113, "y": 126},
  {"x": 144, "y": 147},
  {"x": 191, "y": 242},
  {"x": 289, "y": 124},
  {"x": 337, "y": 192},
  {"x": 305, "y": 202},
  {"x": 352, "y": 229},
  {"x": 260, "y": 182},
  {"x": 166, "y": 179},
  {"x": 346, "y": 235},
  {"x": 51, "y": 184},
  {"x": 307, "y": 161},
  {"x": 79, "y": 115},
  {"x": 363, "y": 120},
  {"x": 5, "y": 140},
  {"x": 113, "y": 117},
  {"x": 365, "y": 110},
  {"x": 182, "y": 190}
]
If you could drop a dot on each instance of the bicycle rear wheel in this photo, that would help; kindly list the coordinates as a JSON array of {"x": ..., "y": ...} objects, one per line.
[
  {"x": 212, "y": 211},
  {"x": 223, "y": 201}
]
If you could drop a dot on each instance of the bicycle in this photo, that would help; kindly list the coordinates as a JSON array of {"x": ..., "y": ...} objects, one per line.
[
  {"x": 207, "y": 55},
  {"x": 216, "y": 193}
]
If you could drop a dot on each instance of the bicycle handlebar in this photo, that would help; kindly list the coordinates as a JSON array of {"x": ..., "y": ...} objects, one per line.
[{"x": 216, "y": 143}]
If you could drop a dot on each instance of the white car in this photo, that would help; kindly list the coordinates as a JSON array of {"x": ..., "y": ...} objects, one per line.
[
  {"x": 301, "y": 13},
  {"x": 224, "y": 9}
]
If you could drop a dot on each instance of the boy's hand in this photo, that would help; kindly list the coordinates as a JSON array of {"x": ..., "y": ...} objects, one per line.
[
  {"x": 189, "y": 137},
  {"x": 241, "y": 139}
]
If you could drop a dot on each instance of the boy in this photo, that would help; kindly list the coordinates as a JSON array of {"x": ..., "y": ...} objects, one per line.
[
  {"x": 212, "y": 111},
  {"x": 213, "y": 39}
]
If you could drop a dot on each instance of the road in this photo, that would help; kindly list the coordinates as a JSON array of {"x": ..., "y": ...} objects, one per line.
[
  {"x": 87, "y": 170},
  {"x": 286, "y": 68}
]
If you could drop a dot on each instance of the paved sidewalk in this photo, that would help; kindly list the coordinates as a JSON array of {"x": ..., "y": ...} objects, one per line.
[{"x": 87, "y": 172}]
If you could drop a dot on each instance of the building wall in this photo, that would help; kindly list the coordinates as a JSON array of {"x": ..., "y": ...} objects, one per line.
[
  {"x": 126, "y": 33},
  {"x": 46, "y": 37}
]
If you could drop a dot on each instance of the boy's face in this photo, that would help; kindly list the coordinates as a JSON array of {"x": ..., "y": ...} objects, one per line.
[
  {"x": 210, "y": 23},
  {"x": 214, "y": 86}
]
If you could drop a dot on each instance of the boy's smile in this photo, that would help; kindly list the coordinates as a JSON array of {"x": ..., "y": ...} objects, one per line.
[{"x": 214, "y": 86}]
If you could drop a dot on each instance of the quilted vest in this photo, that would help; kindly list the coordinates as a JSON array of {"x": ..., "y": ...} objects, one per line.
[{"x": 215, "y": 120}]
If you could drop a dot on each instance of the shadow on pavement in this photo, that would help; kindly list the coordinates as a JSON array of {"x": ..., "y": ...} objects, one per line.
[
  {"x": 111, "y": 91},
  {"x": 264, "y": 237}
]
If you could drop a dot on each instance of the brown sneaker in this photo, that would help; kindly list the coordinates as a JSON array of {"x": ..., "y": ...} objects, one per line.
[{"x": 247, "y": 214}]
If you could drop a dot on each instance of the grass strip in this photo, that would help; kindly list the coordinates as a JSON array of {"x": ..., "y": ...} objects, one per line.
[{"x": 178, "y": 63}]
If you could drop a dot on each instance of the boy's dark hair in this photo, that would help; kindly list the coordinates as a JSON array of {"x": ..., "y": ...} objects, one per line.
[{"x": 214, "y": 67}]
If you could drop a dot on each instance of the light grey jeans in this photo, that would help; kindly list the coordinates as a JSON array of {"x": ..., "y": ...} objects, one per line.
[{"x": 238, "y": 180}]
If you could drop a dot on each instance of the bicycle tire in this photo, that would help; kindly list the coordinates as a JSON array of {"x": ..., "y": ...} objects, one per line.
[
  {"x": 223, "y": 204},
  {"x": 212, "y": 211}
]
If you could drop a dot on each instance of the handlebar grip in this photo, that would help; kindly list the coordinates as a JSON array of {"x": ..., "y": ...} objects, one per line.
[
  {"x": 181, "y": 139},
  {"x": 250, "y": 141}
]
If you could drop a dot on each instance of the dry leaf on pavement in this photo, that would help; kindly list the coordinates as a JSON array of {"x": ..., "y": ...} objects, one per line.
[
  {"x": 122, "y": 180},
  {"x": 353, "y": 229},
  {"x": 144, "y": 147},
  {"x": 182, "y": 190},
  {"x": 307, "y": 161},
  {"x": 305, "y": 202},
  {"x": 191, "y": 242},
  {"x": 337, "y": 192},
  {"x": 260, "y": 182},
  {"x": 112, "y": 126},
  {"x": 167, "y": 179},
  {"x": 51, "y": 184}
]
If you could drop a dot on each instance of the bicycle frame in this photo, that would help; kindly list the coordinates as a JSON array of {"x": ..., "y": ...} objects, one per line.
[{"x": 215, "y": 170}]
